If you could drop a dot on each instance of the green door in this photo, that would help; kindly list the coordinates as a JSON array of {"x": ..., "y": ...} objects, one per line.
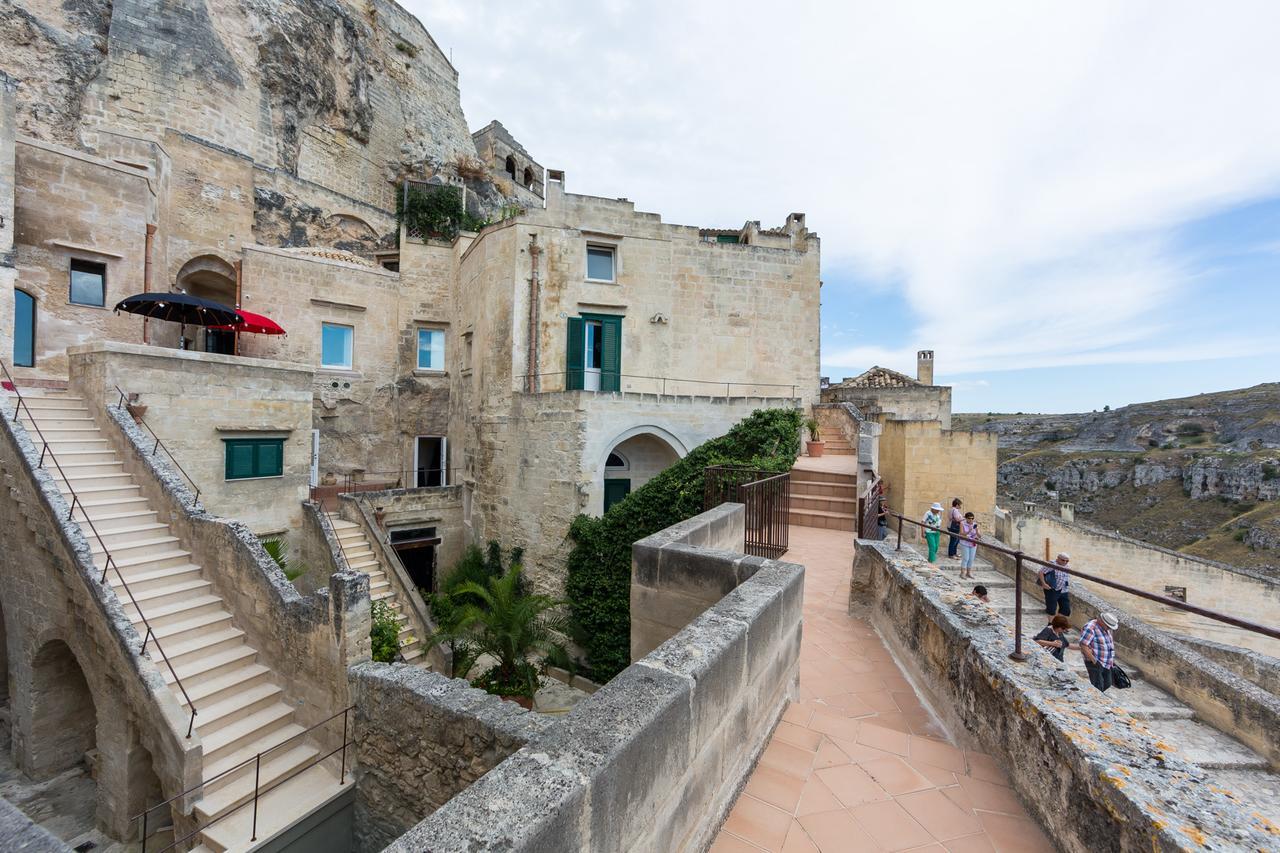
[
  {"x": 615, "y": 490},
  {"x": 573, "y": 351},
  {"x": 593, "y": 348}
]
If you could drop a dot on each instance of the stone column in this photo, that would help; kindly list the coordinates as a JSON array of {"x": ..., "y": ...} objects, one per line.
[{"x": 349, "y": 614}]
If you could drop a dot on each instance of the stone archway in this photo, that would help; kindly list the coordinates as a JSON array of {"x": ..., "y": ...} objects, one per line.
[
  {"x": 209, "y": 277},
  {"x": 633, "y": 459},
  {"x": 64, "y": 717}
]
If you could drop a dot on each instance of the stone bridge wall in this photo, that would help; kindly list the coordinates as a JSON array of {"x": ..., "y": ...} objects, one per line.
[{"x": 1093, "y": 776}]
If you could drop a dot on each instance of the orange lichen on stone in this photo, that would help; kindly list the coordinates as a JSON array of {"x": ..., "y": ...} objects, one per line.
[{"x": 1194, "y": 834}]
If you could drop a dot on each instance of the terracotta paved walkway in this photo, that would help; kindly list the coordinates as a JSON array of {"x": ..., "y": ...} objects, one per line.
[{"x": 859, "y": 764}]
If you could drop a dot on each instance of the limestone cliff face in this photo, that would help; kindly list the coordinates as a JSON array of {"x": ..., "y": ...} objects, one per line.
[{"x": 346, "y": 94}]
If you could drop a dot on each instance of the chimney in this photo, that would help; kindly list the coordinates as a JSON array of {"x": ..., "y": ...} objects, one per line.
[
  {"x": 1067, "y": 511},
  {"x": 553, "y": 189},
  {"x": 924, "y": 366}
]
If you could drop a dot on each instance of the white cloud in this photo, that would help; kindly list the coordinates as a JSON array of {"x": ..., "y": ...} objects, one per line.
[{"x": 1012, "y": 167}]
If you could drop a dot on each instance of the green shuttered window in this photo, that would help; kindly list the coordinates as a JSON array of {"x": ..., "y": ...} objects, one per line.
[
  {"x": 593, "y": 353},
  {"x": 249, "y": 458}
]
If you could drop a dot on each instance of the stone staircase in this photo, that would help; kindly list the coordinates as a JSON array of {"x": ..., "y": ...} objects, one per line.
[
  {"x": 837, "y": 447},
  {"x": 1230, "y": 764},
  {"x": 362, "y": 557},
  {"x": 242, "y": 709},
  {"x": 824, "y": 499}
]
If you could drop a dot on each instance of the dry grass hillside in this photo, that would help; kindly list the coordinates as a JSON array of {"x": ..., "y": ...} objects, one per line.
[{"x": 1198, "y": 474}]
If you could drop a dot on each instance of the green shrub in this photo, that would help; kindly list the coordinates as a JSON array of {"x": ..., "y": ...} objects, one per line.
[
  {"x": 599, "y": 566},
  {"x": 1270, "y": 472},
  {"x": 384, "y": 636},
  {"x": 1190, "y": 429},
  {"x": 435, "y": 211},
  {"x": 278, "y": 551},
  {"x": 474, "y": 567},
  {"x": 1239, "y": 535}
]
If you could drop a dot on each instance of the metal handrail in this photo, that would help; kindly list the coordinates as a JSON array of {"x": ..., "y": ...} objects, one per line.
[
  {"x": 664, "y": 380},
  {"x": 1020, "y": 558},
  {"x": 258, "y": 792},
  {"x": 160, "y": 444},
  {"x": 110, "y": 560}
]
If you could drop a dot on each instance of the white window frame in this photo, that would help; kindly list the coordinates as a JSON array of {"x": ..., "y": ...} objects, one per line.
[
  {"x": 444, "y": 460},
  {"x": 612, "y": 249},
  {"x": 444, "y": 345},
  {"x": 351, "y": 350}
]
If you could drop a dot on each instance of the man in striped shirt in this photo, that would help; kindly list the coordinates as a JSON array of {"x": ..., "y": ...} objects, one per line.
[{"x": 1099, "y": 649}]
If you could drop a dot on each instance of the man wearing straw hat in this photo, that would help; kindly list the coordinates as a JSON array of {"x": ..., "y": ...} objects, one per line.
[
  {"x": 1056, "y": 586},
  {"x": 1099, "y": 649}
]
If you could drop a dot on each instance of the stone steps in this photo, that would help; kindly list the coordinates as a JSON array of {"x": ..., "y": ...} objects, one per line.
[
  {"x": 362, "y": 557},
  {"x": 241, "y": 706}
]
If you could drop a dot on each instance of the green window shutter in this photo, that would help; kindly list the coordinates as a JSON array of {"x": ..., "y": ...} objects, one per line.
[
  {"x": 254, "y": 457},
  {"x": 239, "y": 460},
  {"x": 615, "y": 490},
  {"x": 574, "y": 355},
  {"x": 270, "y": 462},
  {"x": 611, "y": 355}
]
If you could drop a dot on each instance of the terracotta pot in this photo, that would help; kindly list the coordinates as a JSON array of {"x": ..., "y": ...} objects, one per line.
[
  {"x": 815, "y": 448},
  {"x": 136, "y": 410},
  {"x": 525, "y": 702}
]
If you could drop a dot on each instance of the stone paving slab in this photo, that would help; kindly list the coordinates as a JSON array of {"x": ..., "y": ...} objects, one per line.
[
  {"x": 1255, "y": 787},
  {"x": 1206, "y": 746}
]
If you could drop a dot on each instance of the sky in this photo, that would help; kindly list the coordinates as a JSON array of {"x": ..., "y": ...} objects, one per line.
[{"x": 1073, "y": 204}]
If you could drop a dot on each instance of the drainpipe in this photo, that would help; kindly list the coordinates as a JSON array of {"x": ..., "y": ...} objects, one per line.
[
  {"x": 239, "y": 267},
  {"x": 146, "y": 271},
  {"x": 535, "y": 296}
]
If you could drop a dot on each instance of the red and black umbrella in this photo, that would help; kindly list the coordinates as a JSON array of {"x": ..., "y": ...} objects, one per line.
[{"x": 255, "y": 324}]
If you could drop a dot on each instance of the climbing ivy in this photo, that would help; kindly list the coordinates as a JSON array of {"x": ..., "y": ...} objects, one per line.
[
  {"x": 435, "y": 211},
  {"x": 599, "y": 568}
]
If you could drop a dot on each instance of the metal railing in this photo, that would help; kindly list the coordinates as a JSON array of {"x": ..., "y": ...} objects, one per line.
[
  {"x": 1019, "y": 558},
  {"x": 377, "y": 481},
  {"x": 767, "y": 498},
  {"x": 869, "y": 510},
  {"x": 109, "y": 563},
  {"x": 612, "y": 382},
  {"x": 159, "y": 445},
  {"x": 258, "y": 790}
]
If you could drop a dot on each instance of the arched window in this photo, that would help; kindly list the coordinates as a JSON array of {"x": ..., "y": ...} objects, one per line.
[
  {"x": 616, "y": 460},
  {"x": 24, "y": 329},
  {"x": 511, "y": 166},
  {"x": 528, "y": 177}
]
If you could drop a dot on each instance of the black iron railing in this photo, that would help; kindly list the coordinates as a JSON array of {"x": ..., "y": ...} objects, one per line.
[
  {"x": 869, "y": 510},
  {"x": 1019, "y": 558},
  {"x": 377, "y": 481},
  {"x": 577, "y": 379},
  {"x": 109, "y": 563},
  {"x": 767, "y": 498},
  {"x": 159, "y": 445},
  {"x": 258, "y": 790}
]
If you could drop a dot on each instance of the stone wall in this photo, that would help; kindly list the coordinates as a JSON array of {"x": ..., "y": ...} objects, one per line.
[
  {"x": 679, "y": 572},
  {"x": 1262, "y": 670},
  {"x": 1217, "y": 586},
  {"x": 8, "y": 272},
  {"x": 421, "y": 739},
  {"x": 19, "y": 833},
  {"x": 917, "y": 403},
  {"x": 195, "y": 402},
  {"x": 1089, "y": 789},
  {"x": 923, "y": 463},
  {"x": 51, "y": 593},
  {"x": 653, "y": 759},
  {"x": 439, "y": 507}
]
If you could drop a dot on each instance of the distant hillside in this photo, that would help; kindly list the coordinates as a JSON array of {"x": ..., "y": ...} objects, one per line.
[{"x": 1198, "y": 474}]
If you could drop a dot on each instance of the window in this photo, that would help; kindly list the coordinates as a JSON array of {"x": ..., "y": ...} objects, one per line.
[
  {"x": 335, "y": 345},
  {"x": 600, "y": 266},
  {"x": 430, "y": 349},
  {"x": 430, "y": 458},
  {"x": 615, "y": 490},
  {"x": 615, "y": 460},
  {"x": 24, "y": 329},
  {"x": 593, "y": 353},
  {"x": 511, "y": 166},
  {"x": 528, "y": 177},
  {"x": 88, "y": 283},
  {"x": 248, "y": 458}
]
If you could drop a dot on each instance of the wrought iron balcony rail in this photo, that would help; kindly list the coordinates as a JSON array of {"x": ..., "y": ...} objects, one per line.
[
  {"x": 767, "y": 498},
  {"x": 613, "y": 382}
]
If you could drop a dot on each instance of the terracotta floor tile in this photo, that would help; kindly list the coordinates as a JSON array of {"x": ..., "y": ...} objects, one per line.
[
  {"x": 895, "y": 683},
  {"x": 989, "y": 797},
  {"x": 851, "y": 785},
  {"x": 798, "y": 713},
  {"x": 798, "y": 840},
  {"x": 1014, "y": 834},
  {"x": 907, "y": 700},
  {"x": 986, "y": 768},
  {"x": 879, "y": 737},
  {"x": 837, "y": 832},
  {"x": 928, "y": 848},
  {"x": 979, "y": 843},
  {"x": 895, "y": 720},
  {"x": 891, "y": 826},
  {"x": 923, "y": 724},
  {"x": 936, "y": 752},
  {"x": 816, "y": 797},
  {"x": 958, "y": 795},
  {"x": 795, "y": 735},
  {"x": 788, "y": 758},
  {"x": 858, "y": 751},
  {"x": 776, "y": 788},
  {"x": 759, "y": 823},
  {"x": 879, "y": 699},
  {"x": 851, "y": 704},
  {"x": 895, "y": 775},
  {"x": 832, "y": 726},
  {"x": 727, "y": 842},
  {"x": 938, "y": 814},
  {"x": 829, "y": 755},
  {"x": 939, "y": 777}
]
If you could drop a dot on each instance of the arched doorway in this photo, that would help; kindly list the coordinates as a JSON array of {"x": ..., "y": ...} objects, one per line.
[
  {"x": 635, "y": 458},
  {"x": 209, "y": 277},
  {"x": 64, "y": 720}
]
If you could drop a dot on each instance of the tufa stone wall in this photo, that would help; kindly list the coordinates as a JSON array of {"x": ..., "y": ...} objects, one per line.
[
  {"x": 913, "y": 403},
  {"x": 923, "y": 463},
  {"x": 1218, "y": 586},
  {"x": 421, "y": 739},
  {"x": 1091, "y": 790},
  {"x": 8, "y": 272}
]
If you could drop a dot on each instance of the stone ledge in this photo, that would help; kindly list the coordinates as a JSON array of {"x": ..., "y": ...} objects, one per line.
[{"x": 1092, "y": 774}]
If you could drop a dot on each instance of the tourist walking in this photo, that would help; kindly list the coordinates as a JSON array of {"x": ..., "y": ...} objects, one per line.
[
  {"x": 1056, "y": 586},
  {"x": 1054, "y": 636},
  {"x": 954, "y": 519},
  {"x": 1099, "y": 649},
  {"x": 968, "y": 544},
  {"x": 933, "y": 518}
]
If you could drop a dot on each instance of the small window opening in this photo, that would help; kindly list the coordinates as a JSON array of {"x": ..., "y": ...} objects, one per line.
[
  {"x": 528, "y": 178},
  {"x": 511, "y": 166},
  {"x": 88, "y": 283}
]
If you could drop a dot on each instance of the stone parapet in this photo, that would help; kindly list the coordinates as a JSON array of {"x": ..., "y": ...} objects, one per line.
[
  {"x": 1092, "y": 774},
  {"x": 1262, "y": 670}
]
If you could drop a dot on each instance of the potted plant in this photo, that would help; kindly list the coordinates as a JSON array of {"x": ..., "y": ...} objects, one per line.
[
  {"x": 515, "y": 630},
  {"x": 814, "y": 445}
]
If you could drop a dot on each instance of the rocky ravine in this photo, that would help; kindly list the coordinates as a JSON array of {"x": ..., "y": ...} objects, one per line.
[{"x": 1200, "y": 474}]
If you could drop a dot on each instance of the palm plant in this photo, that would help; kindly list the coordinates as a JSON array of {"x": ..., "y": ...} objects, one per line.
[{"x": 511, "y": 627}]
